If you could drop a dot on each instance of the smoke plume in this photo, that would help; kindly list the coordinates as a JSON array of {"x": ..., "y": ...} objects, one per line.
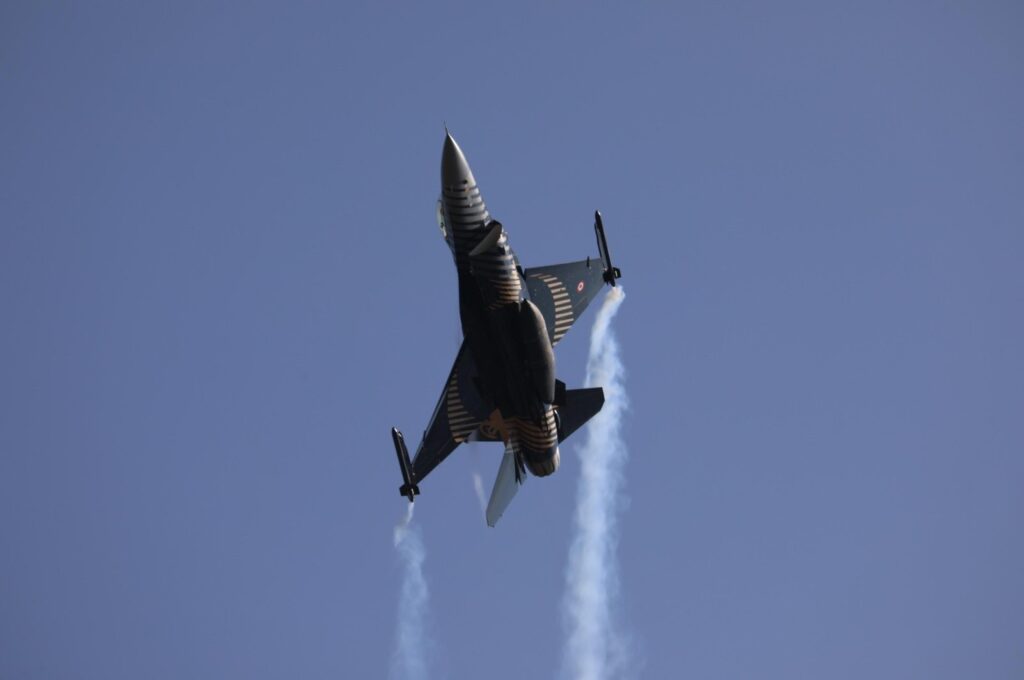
[
  {"x": 410, "y": 657},
  {"x": 595, "y": 648}
]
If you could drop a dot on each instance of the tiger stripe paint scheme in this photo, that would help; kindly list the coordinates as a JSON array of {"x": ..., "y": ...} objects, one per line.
[{"x": 502, "y": 385}]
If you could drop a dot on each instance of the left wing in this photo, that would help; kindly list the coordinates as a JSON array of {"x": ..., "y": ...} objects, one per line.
[{"x": 458, "y": 413}]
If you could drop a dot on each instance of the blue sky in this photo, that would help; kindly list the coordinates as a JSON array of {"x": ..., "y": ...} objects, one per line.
[{"x": 221, "y": 283}]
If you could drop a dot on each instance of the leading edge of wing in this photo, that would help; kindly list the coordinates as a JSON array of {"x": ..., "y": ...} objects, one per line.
[{"x": 458, "y": 414}]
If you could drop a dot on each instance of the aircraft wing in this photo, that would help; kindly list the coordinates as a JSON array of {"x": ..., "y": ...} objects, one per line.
[
  {"x": 563, "y": 291},
  {"x": 458, "y": 414}
]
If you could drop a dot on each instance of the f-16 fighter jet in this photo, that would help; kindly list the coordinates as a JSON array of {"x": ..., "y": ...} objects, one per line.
[{"x": 502, "y": 387}]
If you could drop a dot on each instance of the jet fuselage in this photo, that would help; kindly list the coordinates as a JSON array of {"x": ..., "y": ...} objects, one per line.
[{"x": 504, "y": 332}]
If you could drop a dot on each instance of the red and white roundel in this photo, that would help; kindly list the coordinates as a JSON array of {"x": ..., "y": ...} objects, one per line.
[{"x": 579, "y": 287}]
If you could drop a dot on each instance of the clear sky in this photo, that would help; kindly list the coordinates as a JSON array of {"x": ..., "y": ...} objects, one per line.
[{"x": 221, "y": 283}]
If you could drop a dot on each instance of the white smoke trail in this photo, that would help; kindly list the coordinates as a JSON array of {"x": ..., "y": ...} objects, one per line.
[
  {"x": 410, "y": 657},
  {"x": 595, "y": 649}
]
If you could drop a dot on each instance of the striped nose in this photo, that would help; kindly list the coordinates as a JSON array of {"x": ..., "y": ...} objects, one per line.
[
  {"x": 455, "y": 172},
  {"x": 462, "y": 200}
]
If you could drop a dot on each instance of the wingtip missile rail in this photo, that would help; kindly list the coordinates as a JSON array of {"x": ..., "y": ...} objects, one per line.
[
  {"x": 409, "y": 489},
  {"x": 610, "y": 273}
]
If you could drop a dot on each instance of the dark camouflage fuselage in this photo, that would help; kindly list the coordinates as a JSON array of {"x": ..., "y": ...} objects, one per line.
[{"x": 504, "y": 333}]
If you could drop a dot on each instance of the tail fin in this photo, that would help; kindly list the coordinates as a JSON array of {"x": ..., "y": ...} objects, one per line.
[
  {"x": 506, "y": 484},
  {"x": 579, "y": 407}
]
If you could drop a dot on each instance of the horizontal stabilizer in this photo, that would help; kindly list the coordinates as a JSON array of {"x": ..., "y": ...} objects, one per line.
[{"x": 580, "y": 406}]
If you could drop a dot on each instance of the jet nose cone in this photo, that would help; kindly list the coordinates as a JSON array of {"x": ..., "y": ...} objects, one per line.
[{"x": 455, "y": 172}]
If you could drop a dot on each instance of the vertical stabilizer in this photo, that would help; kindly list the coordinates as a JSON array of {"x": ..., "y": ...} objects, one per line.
[{"x": 506, "y": 484}]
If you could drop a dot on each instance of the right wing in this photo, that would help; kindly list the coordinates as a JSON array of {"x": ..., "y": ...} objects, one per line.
[
  {"x": 562, "y": 291},
  {"x": 458, "y": 414}
]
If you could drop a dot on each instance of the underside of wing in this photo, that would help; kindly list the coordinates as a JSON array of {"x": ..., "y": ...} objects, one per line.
[
  {"x": 563, "y": 291},
  {"x": 458, "y": 414}
]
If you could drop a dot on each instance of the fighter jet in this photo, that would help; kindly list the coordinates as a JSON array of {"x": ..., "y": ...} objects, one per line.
[{"x": 502, "y": 387}]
